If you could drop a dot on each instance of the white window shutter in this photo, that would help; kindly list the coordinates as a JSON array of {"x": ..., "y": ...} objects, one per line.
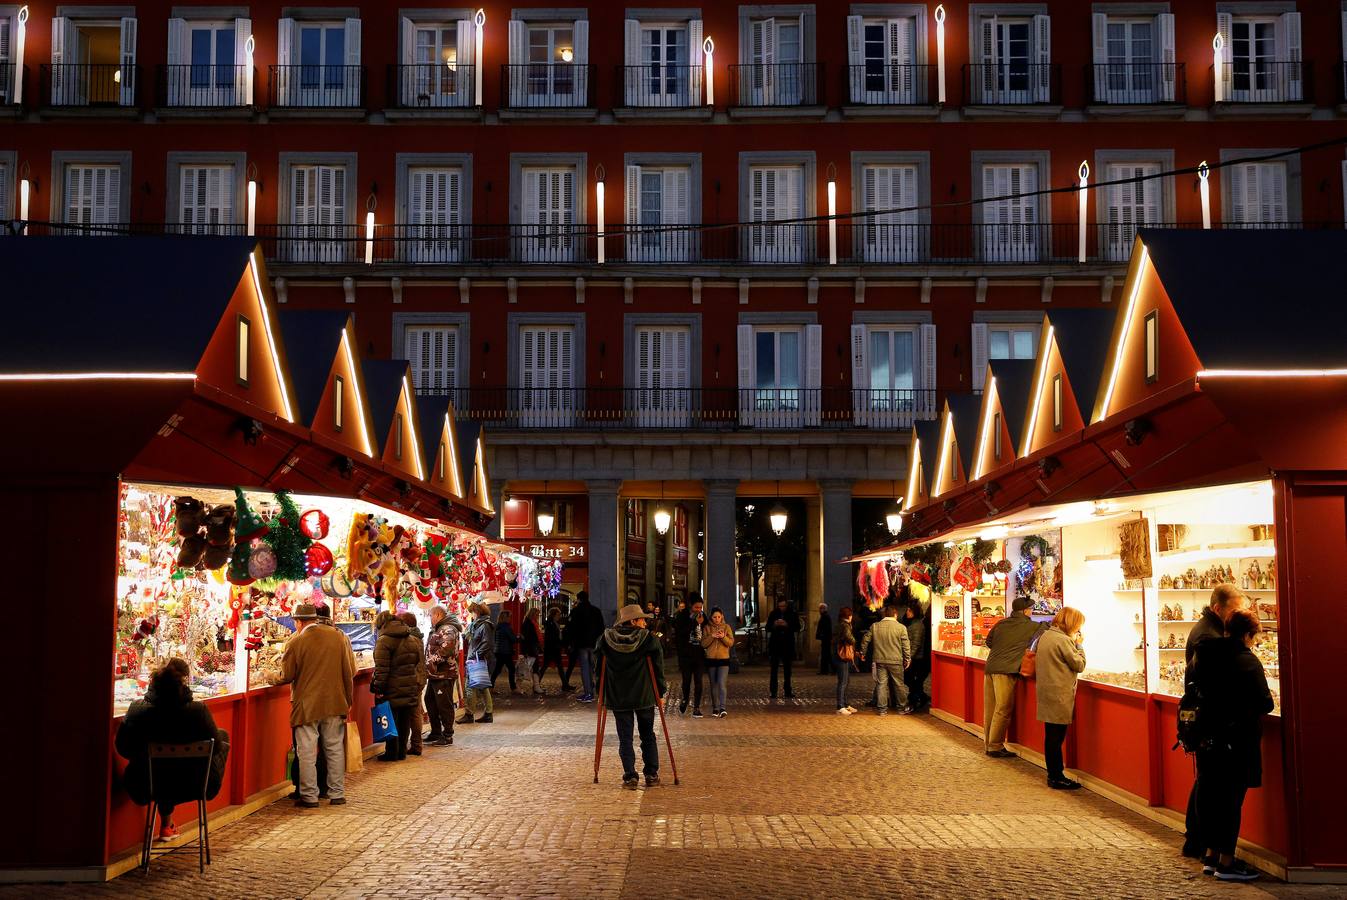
[
  {"x": 980, "y": 354},
  {"x": 744, "y": 340},
  {"x": 351, "y": 77},
  {"x": 4, "y": 193},
  {"x": 632, "y": 200},
  {"x": 530, "y": 211},
  {"x": 768, "y": 36},
  {"x": 1165, "y": 25},
  {"x": 1289, "y": 32},
  {"x": 680, "y": 359},
  {"x": 1234, "y": 194},
  {"x": 177, "y": 45},
  {"x": 928, "y": 370},
  {"x": 696, "y": 54},
  {"x": 352, "y": 42},
  {"x": 407, "y": 53},
  {"x": 987, "y": 91},
  {"x": 519, "y": 52},
  {"x": 813, "y": 373},
  {"x": 901, "y": 85},
  {"x": 1043, "y": 57},
  {"x": 633, "y": 80},
  {"x": 1099, "y": 33},
  {"x": 243, "y": 79},
  {"x": 1273, "y": 194},
  {"x": 128, "y": 61},
  {"x": 855, "y": 52},
  {"x": 285, "y": 44},
  {"x": 566, "y": 359},
  {"x": 581, "y": 59},
  {"x": 453, "y": 194},
  {"x": 860, "y": 372},
  {"x": 1225, "y": 24},
  {"x": 675, "y": 196}
]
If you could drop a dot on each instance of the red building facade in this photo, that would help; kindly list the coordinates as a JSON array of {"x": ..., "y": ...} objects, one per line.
[{"x": 596, "y": 226}]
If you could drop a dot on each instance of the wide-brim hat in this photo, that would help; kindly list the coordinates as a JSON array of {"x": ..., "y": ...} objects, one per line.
[
  {"x": 305, "y": 611},
  {"x": 630, "y": 613}
]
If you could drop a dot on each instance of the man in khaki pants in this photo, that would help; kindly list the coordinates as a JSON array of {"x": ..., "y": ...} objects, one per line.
[{"x": 1006, "y": 643}]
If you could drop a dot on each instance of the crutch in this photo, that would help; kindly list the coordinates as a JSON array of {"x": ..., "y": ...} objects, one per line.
[
  {"x": 659, "y": 704},
  {"x": 603, "y": 720}
]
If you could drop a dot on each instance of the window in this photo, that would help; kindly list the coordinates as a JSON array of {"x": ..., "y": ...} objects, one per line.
[
  {"x": 432, "y": 351},
  {"x": 243, "y": 346},
  {"x": 891, "y": 236},
  {"x": 776, "y": 195},
  {"x": 663, "y": 64},
  {"x": 9, "y": 66},
  {"x": 776, "y": 70},
  {"x": 780, "y": 372},
  {"x": 658, "y": 197},
  {"x": 663, "y": 374},
  {"x": 892, "y": 372},
  {"x": 434, "y": 214},
  {"x": 882, "y": 61},
  {"x": 1013, "y": 54},
  {"x": 439, "y": 461},
  {"x": 547, "y": 214},
  {"x": 318, "y": 230},
  {"x": 546, "y": 375},
  {"x": 1128, "y": 207},
  {"x": 319, "y": 64},
  {"x": 7, "y": 192},
  {"x": 996, "y": 436},
  {"x": 549, "y": 63},
  {"x": 1257, "y": 194},
  {"x": 1010, "y": 228},
  {"x": 1134, "y": 59},
  {"x": 93, "y": 62},
  {"x": 208, "y": 63},
  {"x": 397, "y": 436},
  {"x": 776, "y": 367},
  {"x": 1152, "y": 347},
  {"x": 206, "y": 199},
  {"x": 1057, "y": 402},
  {"x": 1261, "y": 58},
  {"x": 92, "y": 195},
  {"x": 338, "y": 402},
  {"x": 437, "y": 64},
  {"x": 1002, "y": 340}
]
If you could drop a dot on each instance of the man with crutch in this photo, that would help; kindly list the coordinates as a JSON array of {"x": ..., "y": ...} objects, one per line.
[{"x": 631, "y": 667}]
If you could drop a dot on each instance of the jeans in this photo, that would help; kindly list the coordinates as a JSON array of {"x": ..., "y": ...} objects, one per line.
[
  {"x": 440, "y": 707},
  {"x": 843, "y": 679},
  {"x": 1053, "y": 736},
  {"x": 692, "y": 667},
  {"x": 645, "y": 720},
  {"x": 531, "y": 671},
  {"x": 330, "y": 734},
  {"x": 784, "y": 660},
  {"x": 720, "y": 682},
  {"x": 884, "y": 673},
  {"x": 1220, "y": 789},
  {"x": 586, "y": 657},
  {"x": 479, "y": 694},
  {"x": 503, "y": 661},
  {"x": 998, "y": 703}
]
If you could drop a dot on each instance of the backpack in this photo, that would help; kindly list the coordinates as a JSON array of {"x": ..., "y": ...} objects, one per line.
[{"x": 1193, "y": 734}]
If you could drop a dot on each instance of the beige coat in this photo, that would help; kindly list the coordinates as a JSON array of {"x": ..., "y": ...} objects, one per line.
[
  {"x": 717, "y": 647},
  {"x": 320, "y": 668},
  {"x": 1056, "y": 665}
]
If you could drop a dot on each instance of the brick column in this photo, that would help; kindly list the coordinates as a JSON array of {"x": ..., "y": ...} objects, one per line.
[
  {"x": 719, "y": 544},
  {"x": 603, "y": 535}
]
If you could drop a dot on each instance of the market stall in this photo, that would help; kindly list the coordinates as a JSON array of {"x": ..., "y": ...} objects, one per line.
[
  {"x": 1194, "y": 436},
  {"x": 185, "y": 486}
]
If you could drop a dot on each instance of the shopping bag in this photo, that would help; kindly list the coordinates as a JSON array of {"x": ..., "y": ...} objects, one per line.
[
  {"x": 355, "y": 749},
  {"x": 479, "y": 674},
  {"x": 381, "y": 718},
  {"x": 1029, "y": 665}
]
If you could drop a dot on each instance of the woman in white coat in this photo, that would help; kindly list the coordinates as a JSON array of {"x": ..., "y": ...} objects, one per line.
[{"x": 1057, "y": 661}]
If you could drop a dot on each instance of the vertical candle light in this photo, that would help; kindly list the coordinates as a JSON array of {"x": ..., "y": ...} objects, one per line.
[
  {"x": 1217, "y": 43},
  {"x": 1084, "y": 173},
  {"x": 20, "y": 38},
  {"x": 709, "y": 53},
  {"x": 248, "y": 47},
  {"x": 940, "y": 52},
  {"x": 1203, "y": 173},
  {"x": 370, "y": 204},
  {"x": 832, "y": 214},
  {"x": 252, "y": 199},
  {"x": 480, "y": 21},
  {"x": 599, "y": 174},
  {"x": 25, "y": 185}
]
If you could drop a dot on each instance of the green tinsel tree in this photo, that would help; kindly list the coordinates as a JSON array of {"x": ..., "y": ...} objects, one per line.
[{"x": 288, "y": 540}]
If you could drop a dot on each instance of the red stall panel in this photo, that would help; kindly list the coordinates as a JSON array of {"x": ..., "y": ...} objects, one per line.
[
  {"x": 947, "y": 683},
  {"x": 1110, "y": 738}
]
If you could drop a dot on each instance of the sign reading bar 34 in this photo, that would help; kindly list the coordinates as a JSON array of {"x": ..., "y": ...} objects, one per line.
[{"x": 553, "y": 550}]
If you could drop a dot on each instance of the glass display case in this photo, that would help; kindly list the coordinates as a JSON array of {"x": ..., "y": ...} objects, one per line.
[{"x": 1114, "y": 606}]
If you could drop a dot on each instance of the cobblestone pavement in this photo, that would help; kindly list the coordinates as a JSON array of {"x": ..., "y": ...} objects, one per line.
[{"x": 786, "y": 800}]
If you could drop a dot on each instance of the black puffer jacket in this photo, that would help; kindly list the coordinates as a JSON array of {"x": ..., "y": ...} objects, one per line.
[
  {"x": 156, "y": 721},
  {"x": 399, "y": 665}
]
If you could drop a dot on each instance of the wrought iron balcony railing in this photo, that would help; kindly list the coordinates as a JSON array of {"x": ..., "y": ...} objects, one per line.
[
  {"x": 206, "y": 86},
  {"x": 317, "y": 87},
  {"x": 432, "y": 86},
  {"x": 662, "y": 86},
  {"x": 778, "y": 84},
  {"x": 546, "y": 86},
  {"x": 90, "y": 85},
  {"x": 1260, "y": 81},
  {"x": 10, "y": 75},
  {"x": 1012, "y": 83},
  {"x": 1138, "y": 84},
  {"x": 878, "y": 83}
]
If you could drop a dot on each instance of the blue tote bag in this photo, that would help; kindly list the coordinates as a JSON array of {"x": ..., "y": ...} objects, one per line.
[
  {"x": 479, "y": 674},
  {"x": 381, "y": 718}
]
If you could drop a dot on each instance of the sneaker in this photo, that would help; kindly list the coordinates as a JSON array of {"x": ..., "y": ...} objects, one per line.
[
  {"x": 651, "y": 780},
  {"x": 682, "y": 709},
  {"x": 441, "y": 742},
  {"x": 1063, "y": 784},
  {"x": 843, "y": 711},
  {"x": 168, "y": 831},
  {"x": 413, "y": 752},
  {"x": 431, "y": 738},
  {"x": 1209, "y": 864},
  {"x": 904, "y": 710},
  {"x": 720, "y": 714},
  {"x": 307, "y": 804},
  {"x": 883, "y": 712},
  {"x": 697, "y": 713},
  {"x": 851, "y": 708},
  {"x": 631, "y": 782},
  {"x": 485, "y": 719},
  {"x": 587, "y": 698},
  {"x": 337, "y": 801},
  {"x": 1236, "y": 871}
]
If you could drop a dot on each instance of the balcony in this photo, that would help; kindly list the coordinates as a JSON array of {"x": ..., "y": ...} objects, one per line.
[
  {"x": 1258, "y": 81},
  {"x": 881, "y": 84},
  {"x": 90, "y": 86},
  {"x": 312, "y": 87},
  {"x": 548, "y": 87},
  {"x": 1137, "y": 84},
  {"x": 711, "y": 409},
  {"x": 204, "y": 87},
  {"x": 1013, "y": 84},
  {"x": 658, "y": 86},
  {"x": 10, "y": 74},
  {"x": 432, "y": 86},
  {"x": 780, "y": 85}
]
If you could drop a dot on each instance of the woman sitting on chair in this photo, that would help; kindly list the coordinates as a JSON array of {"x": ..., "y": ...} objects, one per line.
[{"x": 169, "y": 715}]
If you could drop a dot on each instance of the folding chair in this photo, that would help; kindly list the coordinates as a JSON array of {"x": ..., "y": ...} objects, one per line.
[{"x": 182, "y": 758}]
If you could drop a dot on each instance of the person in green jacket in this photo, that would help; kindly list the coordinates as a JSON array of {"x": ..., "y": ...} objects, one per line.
[{"x": 628, "y": 655}]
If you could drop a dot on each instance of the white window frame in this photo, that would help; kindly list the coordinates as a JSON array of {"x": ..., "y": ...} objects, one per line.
[
  {"x": 777, "y": 406},
  {"x": 293, "y": 88},
  {"x": 680, "y": 174},
  {"x": 767, "y": 243},
  {"x": 181, "y": 91},
  {"x": 1117, "y": 233},
  {"x": 1134, "y": 81},
  {"x": 234, "y": 164},
  {"x": 555, "y": 403},
  {"x": 422, "y": 242},
  {"x": 72, "y": 86},
  {"x": 432, "y": 350},
  {"x": 61, "y": 161},
  {"x": 1011, "y": 230},
  {"x": 1285, "y": 82},
  {"x": 886, "y": 410},
  {"x": 320, "y": 242},
  {"x": 661, "y": 388},
  {"x": 555, "y": 83},
  {"x": 422, "y": 85},
  {"x": 903, "y": 76},
  {"x": 980, "y": 343},
  {"x": 763, "y": 80},
  {"x": 996, "y": 83}
]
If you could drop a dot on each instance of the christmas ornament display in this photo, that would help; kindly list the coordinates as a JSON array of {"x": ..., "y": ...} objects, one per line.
[
  {"x": 315, "y": 524},
  {"x": 318, "y": 561}
]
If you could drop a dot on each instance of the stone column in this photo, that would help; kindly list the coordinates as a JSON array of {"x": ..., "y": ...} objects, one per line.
[
  {"x": 836, "y": 495},
  {"x": 669, "y": 557},
  {"x": 496, "y": 527},
  {"x": 651, "y": 545},
  {"x": 694, "y": 546},
  {"x": 719, "y": 543},
  {"x": 603, "y": 533},
  {"x": 814, "y": 567}
]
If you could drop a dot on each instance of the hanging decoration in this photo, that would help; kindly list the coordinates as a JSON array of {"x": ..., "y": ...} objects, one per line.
[
  {"x": 315, "y": 524},
  {"x": 288, "y": 540}
]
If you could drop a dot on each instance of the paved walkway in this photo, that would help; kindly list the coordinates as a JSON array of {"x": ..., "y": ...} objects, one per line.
[{"x": 785, "y": 800}]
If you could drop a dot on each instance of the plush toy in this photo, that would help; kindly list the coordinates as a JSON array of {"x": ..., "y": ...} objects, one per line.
[
  {"x": 219, "y": 535},
  {"x": 361, "y": 556},
  {"x": 190, "y": 551},
  {"x": 190, "y": 515}
]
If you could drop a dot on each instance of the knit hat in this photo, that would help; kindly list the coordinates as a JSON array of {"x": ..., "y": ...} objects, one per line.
[
  {"x": 305, "y": 611},
  {"x": 630, "y": 612},
  {"x": 1021, "y": 603}
]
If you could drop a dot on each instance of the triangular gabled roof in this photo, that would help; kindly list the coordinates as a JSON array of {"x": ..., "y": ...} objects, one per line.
[
  {"x": 964, "y": 409},
  {"x": 472, "y": 464},
  {"x": 1236, "y": 315},
  {"x": 312, "y": 340},
  {"x": 925, "y": 444},
  {"x": 1014, "y": 385},
  {"x": 383, "y": 382},
  {"x": 1082, "y": 338},
  {"x": 439, "y": 434}
]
